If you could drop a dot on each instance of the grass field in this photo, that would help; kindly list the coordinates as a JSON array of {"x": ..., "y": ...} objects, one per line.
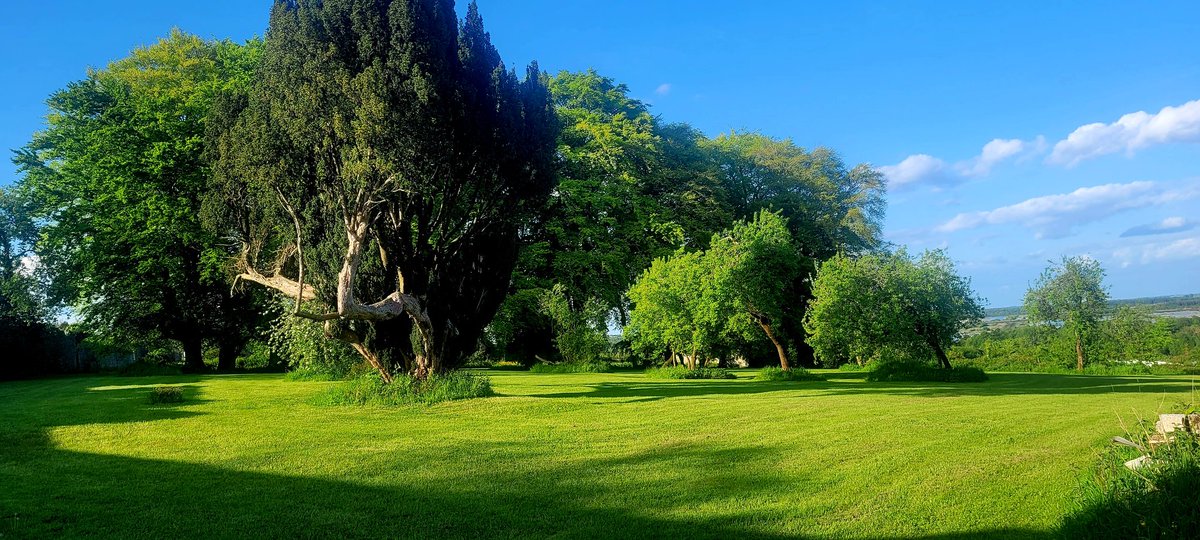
[{"x": 569, "y": 456}]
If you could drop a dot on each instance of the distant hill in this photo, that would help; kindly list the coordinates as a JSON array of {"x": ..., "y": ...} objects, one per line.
[{"x": 1178, "y": 302}]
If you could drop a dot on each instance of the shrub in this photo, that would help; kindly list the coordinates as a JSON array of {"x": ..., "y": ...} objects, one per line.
[
  {"x": 680, "y": 372},
  {"x": 308, "y": 354},
  {"x": 794, "y": 374},
  {"x": 918, "y": 372},
  {"x": 143, "y": 368},
  {"x": 576, "y": 367},
  {"x": 1157, "y": 501},
  {"x": 856, "y": 368},
  {"x": 370, "y": 389},
  {"x": 166, "y": 394},
  {"x": 505, "y": 365}
]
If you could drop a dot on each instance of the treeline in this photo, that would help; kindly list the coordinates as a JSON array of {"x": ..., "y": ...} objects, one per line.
[
  {"x": 1130, "y": 340},
  {"x": 416, "y": 200},
  {"x": 1181, "y": 302}
]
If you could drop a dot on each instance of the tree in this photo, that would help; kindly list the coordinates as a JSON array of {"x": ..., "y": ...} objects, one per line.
[
  {"x": 693, "y": 301},
  {"x": 1071, "y": 293},
  {"x": 385, "y": 164},
  {"x": 876, "y": 304},
  {"x": 829, "y": 207},
  {"x": 117, "y": 178},
  {"x": 754, "y": 265}
]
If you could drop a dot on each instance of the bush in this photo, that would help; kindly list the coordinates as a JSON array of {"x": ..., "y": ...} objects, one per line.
[
  {"x": 794, "y": 374},
  {"x": 143, "y": 368},
  {"x": 917, "y": 372},
  {"x": 166, "y": 394},
  {"x": 856, "y": 368},
  {"x": 404, "y": 390},
  {"x": 505, "y": 365},
  {"x": 308, "y": 354},
  {"x": 1158, "y": 501},
  {"x": 680, "y": 372},
  {"x": 577, "y": 367}
]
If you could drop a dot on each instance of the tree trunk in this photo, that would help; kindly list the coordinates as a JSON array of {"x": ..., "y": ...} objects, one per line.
[
  {"x": 1079, "y": 351},
  {"x": 193, "y": 354},
  {"x": 227, "y": 353},
  {"x": 783, "y": 359},
  {"x": 941, "y": 355}
]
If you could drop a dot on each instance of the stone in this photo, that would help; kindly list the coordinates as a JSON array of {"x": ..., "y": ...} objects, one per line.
[
  {"x": 1135, "y": 464},
  {"x": 1168, "y": 423}
]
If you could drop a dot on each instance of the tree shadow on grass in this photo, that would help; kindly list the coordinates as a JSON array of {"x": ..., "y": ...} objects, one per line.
[
  {"x": 50, "y": 491},
  {"x": 853, "y": 383},
  {"x": 65, "y": 493}
]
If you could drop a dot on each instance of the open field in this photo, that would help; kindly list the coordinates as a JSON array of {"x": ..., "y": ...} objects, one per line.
[{"x": 570, "y": 456}]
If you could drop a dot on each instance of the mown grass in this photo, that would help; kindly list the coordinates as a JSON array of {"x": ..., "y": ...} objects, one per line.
[{"x": 570, "y": 456}]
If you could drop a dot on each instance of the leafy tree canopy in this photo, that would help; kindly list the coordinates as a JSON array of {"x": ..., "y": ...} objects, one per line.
[
  {"x": 882, "y": 306},
  {"x": 1071, "y": 293}
]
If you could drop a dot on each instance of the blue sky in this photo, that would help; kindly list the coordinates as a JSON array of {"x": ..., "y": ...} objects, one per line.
[{"x": 1013, "y": 133}]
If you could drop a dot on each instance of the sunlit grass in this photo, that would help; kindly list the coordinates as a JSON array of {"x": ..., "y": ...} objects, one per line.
[{"x": 570, "y": 455}]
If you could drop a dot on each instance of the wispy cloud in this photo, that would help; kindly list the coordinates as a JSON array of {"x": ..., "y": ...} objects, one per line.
[
  {"x": 1055, "y": 216},
  {"x": 1129, "y": 133},
  {"x": 663, "y": 89},
  {"x": 1167, "y": 226},
  {"x": 924, "y": 169},
  {"x": 1158, "y": 252}
]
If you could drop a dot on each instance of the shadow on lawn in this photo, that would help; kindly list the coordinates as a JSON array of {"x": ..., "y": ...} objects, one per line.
[
  {"x": 52, "y": 492},
  {"x": 1002, "y": 384}
]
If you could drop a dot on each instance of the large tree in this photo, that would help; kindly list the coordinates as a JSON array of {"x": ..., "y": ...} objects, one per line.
[
  {"x": 117, "y": 178},
  {"x": 830, "y": 208},
  {"x": 1073, "y": 294},
  {"x": 876, "y": 305},
  {"x": 383, "y": 166}
]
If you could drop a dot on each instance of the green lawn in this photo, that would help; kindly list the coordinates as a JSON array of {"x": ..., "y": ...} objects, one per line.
[{"x": 569, "y": 456}]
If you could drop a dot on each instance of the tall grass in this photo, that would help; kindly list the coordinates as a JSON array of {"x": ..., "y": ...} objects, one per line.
[
  {"x": 404, "y": 390},
  {"x": 680, "y": 372}
]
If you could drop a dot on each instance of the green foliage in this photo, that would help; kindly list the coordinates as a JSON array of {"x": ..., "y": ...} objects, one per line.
[
  {"x": 1071, "y": 294},
  {"x": 576, "y": 367},
  {"x": 116, "y": 178},
  {"x": 385, "y": 142},
  {"x": 307, "y": 353},
  {"x": 771, "y": 373},
  {"x": 883, "y": 306},
  {"x": 923, "y": 372},
  {"x": 146, "y": 368},
  {"x": 166, "y": 394},
  {"x": 1126, "y": 343},
  {"x": 370, "y": 390},
  {"x": 1157, "y": 501},
  {"x": 681, "y": 372},
  {"x": 692, "y": 302},
  {"x": 580, "y": 333}
]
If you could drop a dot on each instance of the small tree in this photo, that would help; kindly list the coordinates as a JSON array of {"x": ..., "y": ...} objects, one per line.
[
  {"x": 1071, "y": 293},
  {"x": 889, "y": 302}
]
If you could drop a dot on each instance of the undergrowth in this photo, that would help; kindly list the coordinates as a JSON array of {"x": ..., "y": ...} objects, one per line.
[
  {"x": 1159, "y": 500},
  {"x": 681, "y": 372},
  {"x": 569, "y": 367},
  {"x": 919, "y": 372},
  {"x": 370, "y": 389},
  {"x": 794, "y": 374}
]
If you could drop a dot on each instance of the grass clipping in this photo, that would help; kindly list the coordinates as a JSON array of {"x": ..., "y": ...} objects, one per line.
[{"x": 404, "y": 390}]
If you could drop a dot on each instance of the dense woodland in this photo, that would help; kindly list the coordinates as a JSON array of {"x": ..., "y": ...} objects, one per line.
[{"x": 371, "y": 185}]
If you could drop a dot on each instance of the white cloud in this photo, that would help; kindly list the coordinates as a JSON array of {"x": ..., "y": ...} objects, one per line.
[
  {"x": 663, "y": 89},
  {"x": 1054, "y": 216},
  {"x": 1167, "y": 226},
  {"x": 1129, "y": 133},
  {"x": 926, "y": 169},
  {"x": 915, "y": 169},
  {"x": 1157, "y": 252}
]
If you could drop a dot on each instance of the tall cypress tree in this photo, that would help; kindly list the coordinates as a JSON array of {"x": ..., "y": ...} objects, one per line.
[{"x": 383, "y": 167}]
